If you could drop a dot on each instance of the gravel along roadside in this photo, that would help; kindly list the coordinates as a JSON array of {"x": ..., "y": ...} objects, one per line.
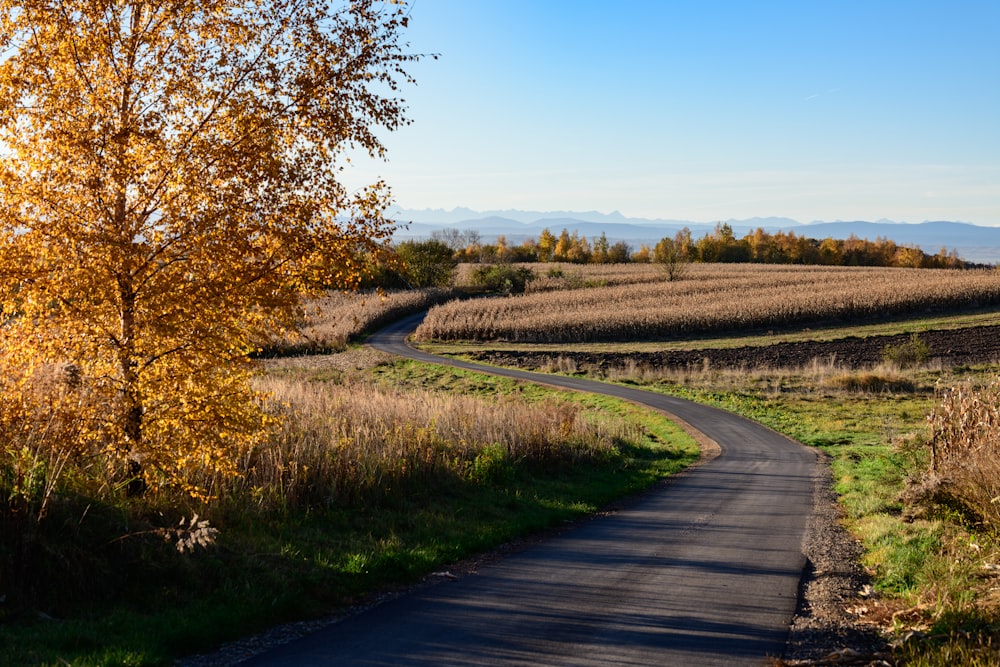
[{"x": 828, "y": 627}]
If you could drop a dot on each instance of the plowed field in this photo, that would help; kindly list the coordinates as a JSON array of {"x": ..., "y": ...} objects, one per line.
[{"x": 953, "y": 347}]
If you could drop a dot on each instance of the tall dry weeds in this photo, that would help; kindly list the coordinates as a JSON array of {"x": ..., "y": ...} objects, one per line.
[
  {"x": 965, "y": 451},
  {"x": 343, "y": 444},
  {"x": 43, "y": 432},
  {"x": 44, "y": 441}
]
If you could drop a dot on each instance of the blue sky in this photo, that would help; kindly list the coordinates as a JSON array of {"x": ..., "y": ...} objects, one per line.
[{"x": 703, "y": 110}]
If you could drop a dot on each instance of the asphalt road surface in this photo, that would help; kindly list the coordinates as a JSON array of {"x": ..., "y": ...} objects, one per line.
[{"x": 705, "y": 571}]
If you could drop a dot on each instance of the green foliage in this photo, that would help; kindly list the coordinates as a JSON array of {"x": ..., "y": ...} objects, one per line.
[
  {"x": 492, "y": 465},
  {"x": 505, "y": 278},
  {"x": 899, "y": 553},
  {"x": 426, "y": 263},
  {"x": 722, "y": 246},
  {"x": 907, "y": 355},
  {"x": 972, "y": 642},
  {"x": 619, "y": 253},
  {"x": 674, "y": 254}
]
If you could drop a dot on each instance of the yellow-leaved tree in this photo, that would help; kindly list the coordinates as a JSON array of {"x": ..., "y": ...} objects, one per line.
[{"x": 169, "y": 192}]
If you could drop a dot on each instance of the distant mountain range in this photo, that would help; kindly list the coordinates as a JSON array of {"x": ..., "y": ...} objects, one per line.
[{"x": 973, "y": 243}]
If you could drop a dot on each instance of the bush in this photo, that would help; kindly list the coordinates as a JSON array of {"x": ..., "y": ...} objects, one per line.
[
  {"x": 426, "y": 263},
  {"x": 504, "y": 278},
  {"x": 492, "y": 465},
  {"x": 68, "y": 533},
  {"x": 906, "y": 355},
  {"x": 674, "y": 254}
]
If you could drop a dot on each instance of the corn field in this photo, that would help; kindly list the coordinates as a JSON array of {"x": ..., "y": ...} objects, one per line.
[
  {"x": 556, "y": 275},
  {"x": 713, "y": 298}
]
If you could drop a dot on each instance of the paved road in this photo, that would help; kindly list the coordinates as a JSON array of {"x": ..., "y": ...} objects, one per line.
[{"x": 703, "y": 572}]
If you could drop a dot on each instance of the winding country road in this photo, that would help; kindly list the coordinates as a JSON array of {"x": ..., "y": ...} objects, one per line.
[{"x": 705, "y": 571}]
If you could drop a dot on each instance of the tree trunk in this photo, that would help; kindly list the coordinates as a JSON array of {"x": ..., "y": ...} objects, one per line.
[{"x": 130, "y": 416}]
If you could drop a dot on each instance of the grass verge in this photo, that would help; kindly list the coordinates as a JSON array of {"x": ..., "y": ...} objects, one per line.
[{"x": 935, "y": 572}]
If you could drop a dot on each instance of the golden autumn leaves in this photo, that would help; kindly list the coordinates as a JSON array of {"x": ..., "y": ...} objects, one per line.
[{"x": 168, "y": 193}]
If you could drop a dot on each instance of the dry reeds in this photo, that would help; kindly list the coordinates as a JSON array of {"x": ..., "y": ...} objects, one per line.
[
  {"x": 342, "y": 444},
  {"x": 46, "y": 445},
  {"x": 965, "y": 451}
]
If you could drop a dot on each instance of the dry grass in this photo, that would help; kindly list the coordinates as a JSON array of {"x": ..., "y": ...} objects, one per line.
[
  {"x": 872, "y": 382},
  {"x": 713, "y": 298},
  {"x": 822, "y": 376},
  {"x": 355, "y": 442},
  {"x": 44, "y": 429},
  {"x": 335, "y": 320},
  {"x": 342, "y": 445}
]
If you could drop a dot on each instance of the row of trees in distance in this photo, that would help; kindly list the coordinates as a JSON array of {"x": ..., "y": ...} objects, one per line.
[{"x": 720, "y": 245}]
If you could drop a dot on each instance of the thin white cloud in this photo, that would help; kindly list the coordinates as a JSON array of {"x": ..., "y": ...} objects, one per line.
[{"x": 815, "y": 95}]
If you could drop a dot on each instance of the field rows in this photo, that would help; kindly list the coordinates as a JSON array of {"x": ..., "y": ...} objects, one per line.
[{"x": 711, "y": 298}]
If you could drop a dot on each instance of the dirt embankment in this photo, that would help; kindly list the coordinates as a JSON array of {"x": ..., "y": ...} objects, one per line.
[{"x": 953, "y": 347}]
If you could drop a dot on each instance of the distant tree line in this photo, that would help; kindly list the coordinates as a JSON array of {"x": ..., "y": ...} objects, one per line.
[
  {"x": 433, "y": 262},
  {"x": 720, "y": 245}
]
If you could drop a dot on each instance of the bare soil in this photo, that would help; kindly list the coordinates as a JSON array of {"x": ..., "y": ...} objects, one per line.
[{"x": 952, "y": 347}]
